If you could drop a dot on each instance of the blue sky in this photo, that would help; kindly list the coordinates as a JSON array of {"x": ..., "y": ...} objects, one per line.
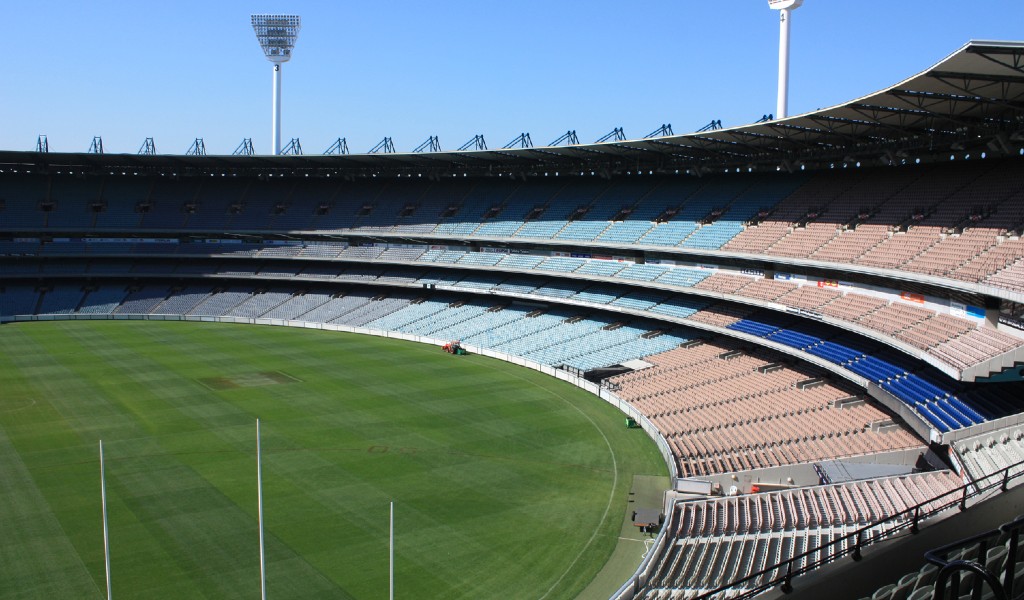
[{"x": 409, "y": 69}]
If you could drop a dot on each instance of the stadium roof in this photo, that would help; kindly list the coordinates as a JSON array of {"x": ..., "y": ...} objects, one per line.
[{"x": 971, "y": 101}]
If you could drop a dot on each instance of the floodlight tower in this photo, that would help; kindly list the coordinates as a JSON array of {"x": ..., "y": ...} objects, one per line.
[
  {"x": 277, "y": 35},
  {"x": 785, "y": 7}
]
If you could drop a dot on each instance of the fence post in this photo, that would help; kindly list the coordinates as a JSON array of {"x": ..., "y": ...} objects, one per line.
[
  {"x": 1011, "y": 563},
  {"x": 1006, "y": 479},
  {"x": 787, "y": 583}
]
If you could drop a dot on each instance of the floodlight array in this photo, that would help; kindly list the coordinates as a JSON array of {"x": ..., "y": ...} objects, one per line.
[{"x": 277, "y": 35}]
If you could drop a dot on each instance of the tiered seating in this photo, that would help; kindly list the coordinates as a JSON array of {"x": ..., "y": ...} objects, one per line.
[
  {"x": 18, "y": 300},
  {"x": 598, "y": 294},
  {"x": 779, "y": 223},
  {"x": 480, "y": 281},
  {"x": 852, "y": 307},
  {"x": 180, "y": 302},
  {"x": 638, "y": 300},
  {"x": 260, "y": 303},
  {"x": 322, "y": 271},
  {"x": 1011, "y": 278},
  {"x": 373, "y": 310},
  {"x": 721, "y": 315},
  {"x": 992, "y": 453},
  {"x": 990, "y": 549},
  {"x": 11, "y": 248},
  {"x": 297, "y": 306},
  {"x": 401, "y": 320},
  {"x": 561, "y": 264},
  {"x": 683, "y": 277},
  {"x": 723, "y": 283},
  {"x": 219, "y": 303},
  {"x": 643, "y": 272},
  {"x": 361, "y": 273},
  {"x": 560, "y": 289},
  {"x": 439, "y": 277},
  {"x": 553, "y": 220},
  {"x": 255, "y": 208},
  {"x": 631, "y": 348},
  {"x": 594, "y": 340},
  {"x": 720, "y": 540},
  {"x": 461, "y": 222},
  {"x": 935, "y": 330},
  {"x": 740, "y": 210},
  {"x": 402, "y": 254},
  {"x": 960, "y": 220},
  {"x": 520, "y": 261},
  {"x": 62, "y": 299},
  {"x": 197, "y": 267},
  {"x": 601, "y": 268},
  {"x": 725, "y": 411},
  {"x": 337, "y": 307},
  {"x": 680, "y": 307},
  {"x": 361, "y": 252},
  {"x": 236, "y": 269},
  {"x": 279, "y": 269},
  {"x": 321, "y": 250},
  {"x": 103, "y": 300},
  {"x": 811, "y": 298},
  {"x": 478, "y": 330},
  {"x": 514, "y": 210},
  {"x": 628, "y": 231},
  {"x": 769, "y": 290},
  {"x": 599, "y": 214},
  {"x": 501, "y": 336},
  {"x": 429, "y": 256},
  {"x": 558, "y": 332},
  {"x": 401, "y": 276},
  {"x": 482, "y": 259},
  {"x": 142, "y": 300},
  {"x": 894, "y": 317},
  {"x": 987, "y": 266},
  {"x": 450, "y": 256},
  {"x": 426, "y": 211},
  {"x": 974, "y": 346},
  {"x": 445, "y": 324}
]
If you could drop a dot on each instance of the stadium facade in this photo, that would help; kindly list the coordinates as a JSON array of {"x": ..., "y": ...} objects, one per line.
[{"x": 819, "y": 318}]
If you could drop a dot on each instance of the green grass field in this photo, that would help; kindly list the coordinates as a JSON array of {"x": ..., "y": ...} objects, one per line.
[{"x": 507, "y": 483}]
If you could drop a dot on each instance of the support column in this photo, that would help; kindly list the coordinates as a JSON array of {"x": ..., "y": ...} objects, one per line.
[
  {"x": 275, "y": 136},
  {"x": 992, "y": 311},
  {"x": 782, "y": 107}
]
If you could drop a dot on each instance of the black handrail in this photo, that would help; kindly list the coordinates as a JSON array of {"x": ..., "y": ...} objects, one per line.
[
  {"x": 905, "y": 519},
  {"x": 1001, "y": 592},
  {"x": 954, "y": 567}
]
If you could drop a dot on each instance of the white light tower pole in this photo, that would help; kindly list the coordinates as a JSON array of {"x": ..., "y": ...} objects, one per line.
[
  {"x": 277, "y": 35},
  {"x": 785, "y": 8}
]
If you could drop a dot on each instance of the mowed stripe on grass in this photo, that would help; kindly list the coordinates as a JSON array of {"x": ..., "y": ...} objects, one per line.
[{"x": 500, "y": 475}]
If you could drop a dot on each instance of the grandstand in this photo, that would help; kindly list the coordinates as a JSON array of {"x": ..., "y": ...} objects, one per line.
[{"x": 841, "y": 291}]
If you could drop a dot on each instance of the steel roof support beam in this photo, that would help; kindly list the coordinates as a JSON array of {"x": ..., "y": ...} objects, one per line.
[{"x": 929, "y": 100}]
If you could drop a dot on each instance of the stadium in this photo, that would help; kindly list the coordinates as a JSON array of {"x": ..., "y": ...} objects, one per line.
[{"x": 812, "y": 326}]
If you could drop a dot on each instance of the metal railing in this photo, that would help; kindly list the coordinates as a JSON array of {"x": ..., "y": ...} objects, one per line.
[
  {"x": 781, "y": 574},
  {"x": 950, "y": 569}
]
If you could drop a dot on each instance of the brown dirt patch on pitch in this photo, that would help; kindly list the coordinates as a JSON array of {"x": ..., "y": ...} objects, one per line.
[{"x": 248, "y": 380}]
